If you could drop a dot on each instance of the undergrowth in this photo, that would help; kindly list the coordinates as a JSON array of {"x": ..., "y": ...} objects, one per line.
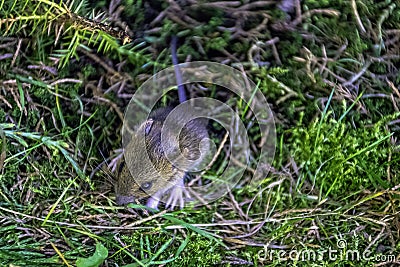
[{"x": 329, "y": 71}]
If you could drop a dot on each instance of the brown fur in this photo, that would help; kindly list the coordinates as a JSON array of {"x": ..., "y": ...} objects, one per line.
[{"x": 159, "y": 171}]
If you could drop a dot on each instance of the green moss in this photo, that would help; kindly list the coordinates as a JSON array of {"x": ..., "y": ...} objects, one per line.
[
  {"x": 324, "y": 163},
  {"x": 199, "y": 251},
  {"x": 337, "y": 158}
]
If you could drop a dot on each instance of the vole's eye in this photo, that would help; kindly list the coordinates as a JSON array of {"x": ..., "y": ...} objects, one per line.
[{"x": 146, "y": 185}]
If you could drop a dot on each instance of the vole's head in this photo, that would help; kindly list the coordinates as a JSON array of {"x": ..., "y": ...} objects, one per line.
[
  {"x": 142, "y": 183},
  {"x": 145, "y": 170}
]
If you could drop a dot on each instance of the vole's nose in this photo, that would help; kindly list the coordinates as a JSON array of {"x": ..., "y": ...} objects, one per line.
[{"x": 124, "y": 200}]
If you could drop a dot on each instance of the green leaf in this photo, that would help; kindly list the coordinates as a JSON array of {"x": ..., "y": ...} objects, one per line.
[{"x": 98, "y": 257}]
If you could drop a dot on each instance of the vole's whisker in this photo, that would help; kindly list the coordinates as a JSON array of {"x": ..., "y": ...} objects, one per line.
[{"x": 106, "y": 170}]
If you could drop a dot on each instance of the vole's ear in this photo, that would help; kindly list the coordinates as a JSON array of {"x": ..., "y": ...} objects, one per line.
[{"x": 146, "y": 126}]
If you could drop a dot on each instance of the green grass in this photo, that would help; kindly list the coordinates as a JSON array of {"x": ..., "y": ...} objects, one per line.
[{"x": 334, "y": 90}]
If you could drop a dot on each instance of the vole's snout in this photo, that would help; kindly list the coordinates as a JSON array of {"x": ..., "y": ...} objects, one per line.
[{"x": 124, "y": 200}]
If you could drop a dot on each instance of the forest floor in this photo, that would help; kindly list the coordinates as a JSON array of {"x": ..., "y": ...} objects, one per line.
[{"x": 330, "y": 71}]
